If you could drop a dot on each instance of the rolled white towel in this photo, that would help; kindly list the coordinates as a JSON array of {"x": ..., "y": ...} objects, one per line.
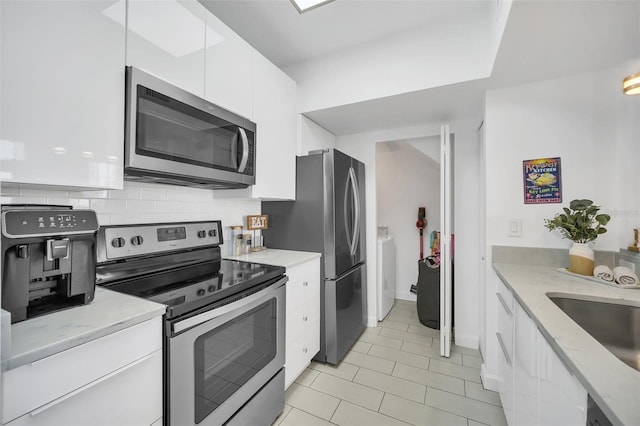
[
  {"x": 625, "y": 276},
  {"x": 603, "y": 272}
]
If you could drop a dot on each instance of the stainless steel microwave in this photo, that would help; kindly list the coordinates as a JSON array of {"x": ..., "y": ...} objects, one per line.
[{"x": 175, "y": 137}]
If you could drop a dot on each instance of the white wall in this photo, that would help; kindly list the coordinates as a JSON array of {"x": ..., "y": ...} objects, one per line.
[
  {"x": 313, "y": 136},
  {"x": 587, "y": 122},
  {"x": 141, "y": 203},
  {"x": 363, "y": 147},
  {"x": 405, "y": 180},
  {"x": 437, "y": 55}
]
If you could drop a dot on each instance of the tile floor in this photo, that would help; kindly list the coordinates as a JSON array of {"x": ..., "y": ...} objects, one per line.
[{"x": 394, "y": 375}]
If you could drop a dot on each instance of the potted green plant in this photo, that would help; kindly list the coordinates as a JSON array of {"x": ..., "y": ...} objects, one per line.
[{"x": 581, "y": 224}]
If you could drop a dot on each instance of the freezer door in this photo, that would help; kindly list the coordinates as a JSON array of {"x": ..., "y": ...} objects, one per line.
[
  {"x": 344, "y": 312},
  {"x": 345, "y": 180}
]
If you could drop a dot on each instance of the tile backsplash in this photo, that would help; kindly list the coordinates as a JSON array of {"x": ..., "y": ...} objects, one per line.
[{"x": 140, "y": 203}]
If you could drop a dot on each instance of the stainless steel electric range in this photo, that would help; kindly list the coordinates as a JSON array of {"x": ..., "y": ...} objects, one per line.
[{"x": 224, "y": 323}]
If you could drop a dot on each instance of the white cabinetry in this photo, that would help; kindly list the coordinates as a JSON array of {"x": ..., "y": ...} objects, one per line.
[
  {"x": 62, "y": 103},
  {"x": 505, "y": 350},
  {"x": 93, "y": 383},
  {"x": 275, "y": 114},
  {"x": 229, "y": 68},
  {"x": 563, "y": 399},
  {"x": 525, "y": 369},
  {"x": 303, "y": 318},
  {"x": 536, "y": 387},
  {"x": 167, "y": 39}
]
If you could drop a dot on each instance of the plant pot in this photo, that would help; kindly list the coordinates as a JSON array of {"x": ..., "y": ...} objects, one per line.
[{"x": 581, "y": 259}]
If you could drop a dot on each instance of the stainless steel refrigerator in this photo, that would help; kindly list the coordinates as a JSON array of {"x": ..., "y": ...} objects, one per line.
[{"x": 328, "y": 216}]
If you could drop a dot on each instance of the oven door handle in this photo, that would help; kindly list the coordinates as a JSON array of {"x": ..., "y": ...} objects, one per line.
[{"x": 187, "y": 323}]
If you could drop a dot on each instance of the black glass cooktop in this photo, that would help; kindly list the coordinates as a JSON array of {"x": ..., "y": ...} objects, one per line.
[{"x": 185, "y": 290}]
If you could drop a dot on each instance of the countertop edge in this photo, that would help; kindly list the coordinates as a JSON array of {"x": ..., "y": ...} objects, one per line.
[{"x": 278, "y": 257}]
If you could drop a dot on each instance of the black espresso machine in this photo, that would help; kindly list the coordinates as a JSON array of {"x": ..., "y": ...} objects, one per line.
[{"x": 48, "y": 258}]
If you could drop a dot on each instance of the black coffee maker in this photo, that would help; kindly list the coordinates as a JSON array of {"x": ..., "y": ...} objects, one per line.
[{"x": 48, "y": 259}]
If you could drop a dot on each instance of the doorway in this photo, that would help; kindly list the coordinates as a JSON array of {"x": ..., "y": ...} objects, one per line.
[{"x": 408, "y": 177}]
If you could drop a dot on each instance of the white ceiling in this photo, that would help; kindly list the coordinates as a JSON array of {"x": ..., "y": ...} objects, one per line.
[
  {"x": 286, "y": 37},
  {"x": 542, "y": 40}
]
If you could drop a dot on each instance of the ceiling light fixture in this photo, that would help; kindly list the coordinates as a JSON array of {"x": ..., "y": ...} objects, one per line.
[
  {"x": 306, "y": 5},
  {"x": 631, "y": 85}
]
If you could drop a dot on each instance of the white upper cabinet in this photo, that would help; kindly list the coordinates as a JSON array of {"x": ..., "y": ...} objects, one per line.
[
  {"x": 275, "y": 113},
  {"x": 62, "y": 103},
  {"x": 228, "y": 80},
  {"x": 167, "y": 39}
]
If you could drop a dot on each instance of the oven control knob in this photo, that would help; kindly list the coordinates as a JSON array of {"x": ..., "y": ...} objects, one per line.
[
  {"x": 201, "y": 292},
  {"x": 212, "y": 233},
  {"x": 202, "y": 234},
  {"x": 118, "y": 242},
  {"x": 137, "y": 240}
]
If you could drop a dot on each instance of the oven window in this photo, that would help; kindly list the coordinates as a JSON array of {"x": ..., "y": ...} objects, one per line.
[
  {"x": 230, "y": 355},
  {"x": 169, "y": 129}
]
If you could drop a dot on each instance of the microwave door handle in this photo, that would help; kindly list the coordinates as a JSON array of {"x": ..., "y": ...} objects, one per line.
[
  {"x": 234, "y": 150},
  {"x": 245, "y": 150}
]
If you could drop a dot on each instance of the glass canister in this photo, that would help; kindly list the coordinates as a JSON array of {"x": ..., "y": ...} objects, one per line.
[{"x": 236, "y": 240}]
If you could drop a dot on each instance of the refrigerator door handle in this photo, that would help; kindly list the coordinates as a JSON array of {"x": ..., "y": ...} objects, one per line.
[
  {"x": 356, "y": 203},
  {"x": 347, "y": 203}
]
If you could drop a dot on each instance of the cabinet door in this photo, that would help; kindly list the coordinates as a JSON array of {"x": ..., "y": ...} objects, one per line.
[
  {"x": 167, "y": 39},
  {"x": 32, "y": 386},
  {"x": 62, "y": 103},
  {"x": 505, "y": 380},
  {"x": 128, "y": 396},
  {"x": 275, "y": 114},
  {"x": 525, "y": 369},
  {"x": 229, "y": 68},
  {"x": 505, "y": 339},
  {"x": 563, "y": 399},
  {"x": 303, "y": 318}
]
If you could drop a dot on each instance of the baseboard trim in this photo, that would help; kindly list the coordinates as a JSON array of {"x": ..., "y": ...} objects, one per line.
[
  {"x": 489, "y": 381},
  {"x": 406, "y": 296},
  {"x": 372, "y": 321}
]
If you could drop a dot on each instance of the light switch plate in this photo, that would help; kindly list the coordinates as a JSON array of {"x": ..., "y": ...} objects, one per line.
[{"x": 515, "y": 228}]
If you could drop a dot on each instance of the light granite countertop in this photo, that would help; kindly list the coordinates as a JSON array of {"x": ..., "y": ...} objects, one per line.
[
  {"x": 286, "y": 258},
  {"x": 46, "y": 335},
  {"x": 613, "y": 385}
]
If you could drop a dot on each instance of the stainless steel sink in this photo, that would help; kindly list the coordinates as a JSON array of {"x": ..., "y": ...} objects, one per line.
[{"x": 616, "y": 327}]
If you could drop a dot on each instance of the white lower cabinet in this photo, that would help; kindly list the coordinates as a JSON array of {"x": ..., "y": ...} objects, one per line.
[
  {"x": 505, "y": 349},
  {"x": 526, "y": 406},
  {"x": 303, "y": 318},
  {"x": 113, "y": 380},
  {"x": 563, "y": 399},
  {"x": 536, "y": 388}
]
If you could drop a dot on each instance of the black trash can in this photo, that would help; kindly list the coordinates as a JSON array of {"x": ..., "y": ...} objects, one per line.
[{"x": 428, "y": 293}]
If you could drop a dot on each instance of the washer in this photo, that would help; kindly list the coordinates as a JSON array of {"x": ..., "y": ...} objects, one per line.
[{"x": 386, "y": 275}]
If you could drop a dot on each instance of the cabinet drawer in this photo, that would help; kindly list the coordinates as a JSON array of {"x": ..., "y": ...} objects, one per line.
[
  {"x": 506, "y": 295},
  {"x": 506, "y": 320},
  {"x": 31, "y": 386},
  {"x": 303, "y": 279},
  {"x": 131, "y": 395}
]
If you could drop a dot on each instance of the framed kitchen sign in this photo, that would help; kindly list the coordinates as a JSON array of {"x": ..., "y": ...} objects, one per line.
[
  {"x": 257, "y": 222},
  {"x": 542, "y": 181}
]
